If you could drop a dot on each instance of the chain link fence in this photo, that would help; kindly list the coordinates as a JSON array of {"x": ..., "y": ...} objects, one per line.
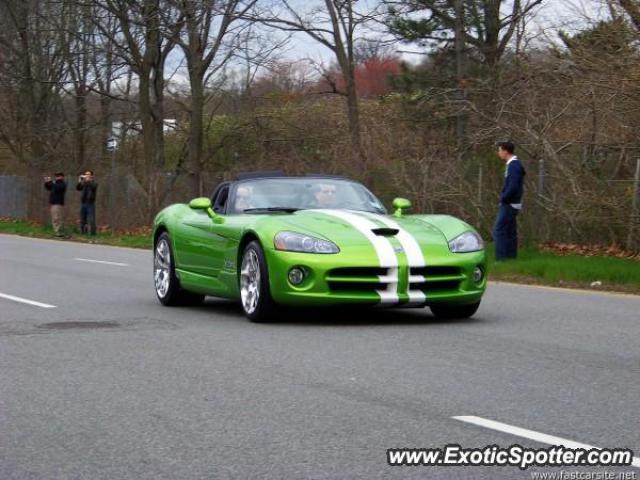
[
  {"x": 122, "y": 201},
  {"x": 13, "y": 196}
]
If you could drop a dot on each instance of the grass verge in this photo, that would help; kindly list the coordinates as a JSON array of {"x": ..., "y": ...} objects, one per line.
[
  {"x": 576, "y": 271},
  {"x": 533, "y": 266},
  {"x": 134, "y": 238}
]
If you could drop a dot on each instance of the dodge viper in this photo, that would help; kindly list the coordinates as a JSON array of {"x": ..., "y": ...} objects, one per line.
[{"x": 271, "y": 240}]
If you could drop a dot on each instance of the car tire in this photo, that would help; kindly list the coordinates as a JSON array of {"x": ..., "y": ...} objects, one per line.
[
  {"x": 253, "y": 278},
  {"x": 166, "y": 282},
  {"x": 454, "y": 311}
]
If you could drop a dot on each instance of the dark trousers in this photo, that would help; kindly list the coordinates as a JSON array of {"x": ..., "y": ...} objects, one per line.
[
  {"x": 88, "y": 218},
  {"x": 505, "y": 233}
]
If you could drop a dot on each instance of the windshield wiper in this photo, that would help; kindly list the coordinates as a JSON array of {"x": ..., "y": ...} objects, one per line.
[{"x": 272, "y": 209}]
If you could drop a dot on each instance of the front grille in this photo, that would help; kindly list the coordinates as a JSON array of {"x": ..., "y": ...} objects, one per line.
[
  {"x": 435, "y": 278},
  {"x": 440, "y": 286},
  {"x": 371, "y": 279},
  {"x": 356, "y": 286},
  {"x": 346, "y": 272},
  {"x": 435, "y": 271},
  {"x": 360, "y": 279}
]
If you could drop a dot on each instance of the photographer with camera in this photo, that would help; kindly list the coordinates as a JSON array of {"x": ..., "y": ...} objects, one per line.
[
  {"x": 57, "y": 189},
  {"x": 88, "y": 186}
]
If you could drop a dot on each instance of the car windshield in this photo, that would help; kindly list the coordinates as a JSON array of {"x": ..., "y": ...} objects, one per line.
[{"x": 291, "y": 194}]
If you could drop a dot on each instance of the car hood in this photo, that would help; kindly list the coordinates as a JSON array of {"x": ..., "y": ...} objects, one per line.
[{"x": 355, "y": 228}]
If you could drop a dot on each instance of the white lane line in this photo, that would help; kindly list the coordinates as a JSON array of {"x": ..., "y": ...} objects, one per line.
[
  {"x": 531, "y": 435},
  {"x": 104, "y": 262},
  {"x": 26, "y": 300}
]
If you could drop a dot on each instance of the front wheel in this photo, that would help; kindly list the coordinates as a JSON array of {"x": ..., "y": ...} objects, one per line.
[
  {"x": 454, "y": 311},
  {"x": 168, "y": 288},
  {"x": 255, "y": 295}
]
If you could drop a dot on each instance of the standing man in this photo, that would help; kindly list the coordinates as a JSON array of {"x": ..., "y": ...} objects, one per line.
[
  {"x": 505, "y": 231},
  {"x": 57, "y": 189},
  {"x": 88, "y": 186}
]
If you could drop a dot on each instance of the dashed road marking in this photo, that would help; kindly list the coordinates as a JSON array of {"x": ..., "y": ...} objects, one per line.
[
  {"x": 103, "y": 262},
  {"x": 13, "y": 298},
  {"x": 531, "y": 434}
]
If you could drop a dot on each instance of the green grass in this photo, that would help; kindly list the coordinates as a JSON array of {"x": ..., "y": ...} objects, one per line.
[
  {"x": 532, "y": 266},
  {"x": 138, "y": 239},
  {"x": 546, "y": 268}
]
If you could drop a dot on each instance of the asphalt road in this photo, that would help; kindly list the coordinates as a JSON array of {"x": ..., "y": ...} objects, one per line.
[{"x": 145, "y": 391}]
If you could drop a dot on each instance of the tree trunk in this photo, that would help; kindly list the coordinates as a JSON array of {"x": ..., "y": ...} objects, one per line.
[
  {"x": 633, "y": 10},
  {"x": 353, "y": 115},
  {"x": 461, "y": 69},
  {"x": 493, "y": 26},
  {"x": 152, "y": 140},
  {"x": 105, "y": 128},
  {"x": 80, "y": 128},
  {"x": 196, "y": 114}
]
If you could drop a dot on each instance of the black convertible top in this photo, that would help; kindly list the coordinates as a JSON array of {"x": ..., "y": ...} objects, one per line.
[{"x": 281, "y": 174}]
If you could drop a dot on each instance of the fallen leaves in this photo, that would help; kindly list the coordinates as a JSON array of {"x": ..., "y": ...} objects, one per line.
[{"x": 589, "y": 250}]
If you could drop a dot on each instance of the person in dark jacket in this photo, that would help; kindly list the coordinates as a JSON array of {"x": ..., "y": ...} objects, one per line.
[
  {"x": 89, "y": 188},
  {"x": 57, "y": 190},
  {"x": 505, "y": 230}
]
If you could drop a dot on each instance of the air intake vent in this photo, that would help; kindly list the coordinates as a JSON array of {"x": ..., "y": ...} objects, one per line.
[{"x": 385, "y": 232}]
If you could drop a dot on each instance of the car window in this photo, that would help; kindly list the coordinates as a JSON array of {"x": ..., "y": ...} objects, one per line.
[
  {"x": 302, "y": 193},
  {"x": 220, "y": 197}
]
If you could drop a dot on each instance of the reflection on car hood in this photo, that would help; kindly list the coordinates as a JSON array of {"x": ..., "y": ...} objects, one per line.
[{"x": 350, "y": 227}]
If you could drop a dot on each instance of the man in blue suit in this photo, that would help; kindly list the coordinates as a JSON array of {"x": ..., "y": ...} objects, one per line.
[{"x": 505, "y": 231}]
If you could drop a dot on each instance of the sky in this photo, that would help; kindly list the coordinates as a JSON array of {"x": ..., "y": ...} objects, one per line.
[{"x": 550, "y": 17}]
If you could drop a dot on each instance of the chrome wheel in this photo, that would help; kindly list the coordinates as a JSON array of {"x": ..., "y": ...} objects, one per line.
[
  {"x": 162, "y": 268},
  {"x": 250, "y": 281}
]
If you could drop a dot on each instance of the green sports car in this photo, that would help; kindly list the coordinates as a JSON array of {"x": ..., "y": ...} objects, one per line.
[{"x": 268, "y": 239}]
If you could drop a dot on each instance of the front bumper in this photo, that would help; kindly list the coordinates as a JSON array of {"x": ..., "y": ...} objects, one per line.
[{"x": 446, "y": 279}]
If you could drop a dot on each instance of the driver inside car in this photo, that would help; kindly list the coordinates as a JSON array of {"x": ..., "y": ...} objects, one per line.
[
  {"x": 325, "y": 195},
  {"x": 244, "y": 195}
]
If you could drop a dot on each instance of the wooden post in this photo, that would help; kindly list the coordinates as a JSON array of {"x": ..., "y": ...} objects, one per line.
[
  {"x": 541, "y": 177},
  {"x": 540, "y": 207},
  {"x": 635, "y": 204},
  {"x": 480, "y": 185},
  {"x": 479, "y": 204}
]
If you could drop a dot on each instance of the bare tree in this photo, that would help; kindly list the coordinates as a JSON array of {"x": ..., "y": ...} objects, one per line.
[
  {"x": 75, "y": 28},
  {"x": 32, "y": 67},
  {"x": 631, "y": 8},
  {"x": 208, "y": 40},
  {"x": 487, "y": 26},
  {"x": 143, "y": 39},
  {"x": 337, "y": 25}
]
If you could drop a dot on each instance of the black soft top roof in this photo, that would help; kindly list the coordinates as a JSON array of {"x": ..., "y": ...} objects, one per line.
[{"x": 281, "y": 174}]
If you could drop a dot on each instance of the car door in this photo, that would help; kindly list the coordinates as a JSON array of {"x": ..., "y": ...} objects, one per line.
[{"x": 201, "y": 243}]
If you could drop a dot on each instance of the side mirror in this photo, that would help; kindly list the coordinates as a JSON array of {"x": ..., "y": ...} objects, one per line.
[
  {"x": 203, "y": 203},
  {"x": 400, "y": 204}
]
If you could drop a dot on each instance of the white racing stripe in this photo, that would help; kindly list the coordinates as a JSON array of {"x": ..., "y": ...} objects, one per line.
[
  {"x": 411, "y": 248},
  {"x": 530, "y": 434},
  {"x": 13, "y": 298},
  {"x": 384, "y": 249},
  {"x": 389, "y": 294},
  {"x": 103, "y": 262}
]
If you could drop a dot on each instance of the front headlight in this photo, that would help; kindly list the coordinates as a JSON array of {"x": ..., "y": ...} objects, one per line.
[
  {"x": 467, "y": 242},
  {"x": 297, "y": 242}
]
